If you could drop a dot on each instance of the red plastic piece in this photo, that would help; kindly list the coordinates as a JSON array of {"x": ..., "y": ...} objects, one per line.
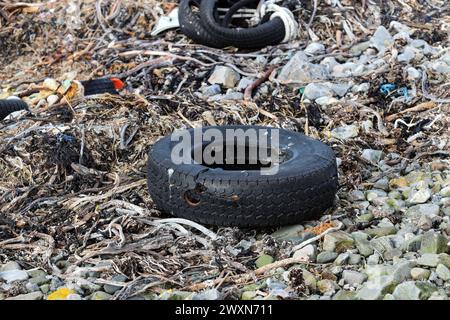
[{"x": 118, "y": 84}]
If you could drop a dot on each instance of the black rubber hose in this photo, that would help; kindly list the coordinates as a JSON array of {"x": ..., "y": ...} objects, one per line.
[
  {"x": 98, "y": 86},
  {"x": 8, "y": 106},
  {"x": 191, "y": 26},
  {"x": 234, "y": 8},
  {"x": 270, "y": 33}
]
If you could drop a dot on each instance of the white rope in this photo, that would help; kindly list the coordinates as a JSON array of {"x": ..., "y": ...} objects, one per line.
[{"x": 290, "y": 24}]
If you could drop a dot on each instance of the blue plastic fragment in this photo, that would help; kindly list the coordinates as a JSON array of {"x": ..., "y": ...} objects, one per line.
[
  {"x": 66, "y": 138},
  {"x": 387, "y": 88},
  {"x": 403, "y": 91}
]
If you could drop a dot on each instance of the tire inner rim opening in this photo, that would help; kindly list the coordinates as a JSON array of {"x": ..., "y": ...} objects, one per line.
[{"x": 238, "y": 157}]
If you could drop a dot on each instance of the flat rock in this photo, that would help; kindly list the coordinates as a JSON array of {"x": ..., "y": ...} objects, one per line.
[
  {"x": 209, "y": 294},
  {"x": 28, "y": 296},
  {"x": 362, "y": 243},
  {"x": 445, "y": 192},
  {"x": 344, "y": 295},
  {"x": 371, "y": 155},
  {"x": 13, "y": 275},
  {"x": 307, "y": 253},
  {"x": 429, "y": 260},
  {"x": 326, "y": 256},
  {"x": 317, "y": 90},
  {"x": 354, "y": 259},
  {"x": 380, "y": 232},
  {"x": 381, "y": 39},
  {"x": 407, "y": 291},
  {"x": 289, "y": 233},
  {"x": 444, "y": 259},
  {"x": 419, "y": 196},
  {"x": 326, "y": 101},
  {"x": 407, "y": 55},
  {"x": 314, "y": 48},
  {"x": 211, "y": 90},
  {"x": 381, "y": 244},
  {"x": 399, "y": 27},
  {"x": 338, "y": 241},
  {"x": 356, "y": 195},
  {"x": 100, "y": 295},
  {"x": 376, "y": 289},
  {"x": 225, "y": 76},
  {"x": 443, "y": 272},
  {"x": 353, "y": 277},
  {"x": 244, "y": 83},
  {"x": 420, "y": 273},
  {"x": 342, "y": 259},
  {"x": 345, "y": 132},
  {"x": 300, "y": 70},
  {"x": 310, "y": 279},
  {"x": 433, "y": 242},
  {"x": 9, "y": 266},
  {"x": 429, "y": 210}
]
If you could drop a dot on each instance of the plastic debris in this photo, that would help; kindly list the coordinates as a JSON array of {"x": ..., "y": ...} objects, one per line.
[
  {"x": 166, "y": 23},
  {"x": 387, "y": 88}
]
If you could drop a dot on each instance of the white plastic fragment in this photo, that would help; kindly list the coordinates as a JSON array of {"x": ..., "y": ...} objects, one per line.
[{"x": 166, "y": 23}]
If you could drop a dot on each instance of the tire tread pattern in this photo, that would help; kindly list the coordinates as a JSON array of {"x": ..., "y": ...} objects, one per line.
[{"x": 268, "y": 201}]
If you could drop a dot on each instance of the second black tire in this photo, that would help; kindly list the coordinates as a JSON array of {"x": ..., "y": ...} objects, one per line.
[
  {"x": 302, "y": 189},
  {"x": 98, "y": 86},
  {"x": 265, "y": 34},
  {"x": 191, "y": 26},
  {"x": 8, "y": 106}
]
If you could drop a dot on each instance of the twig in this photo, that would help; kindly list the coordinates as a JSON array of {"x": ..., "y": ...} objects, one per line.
[
  {"x": 418, "y": 108},
  {"x": 313, "y": 15}
]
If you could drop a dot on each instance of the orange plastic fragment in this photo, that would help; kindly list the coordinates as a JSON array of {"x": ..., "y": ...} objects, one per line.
[
  {"x": 118, "y": 84},
  {"x": 320, "y": 228}
]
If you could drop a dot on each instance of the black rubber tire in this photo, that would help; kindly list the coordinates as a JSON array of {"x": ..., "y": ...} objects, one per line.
[
  {"x": 98, "y": 86},
  {"x": 269, "y": 33},
  {"x": 234, "y": 9},
  {"x": 8, "y": 106},
  {"x": 303, "y": 188},
  {"x": 191, "y": 26}
]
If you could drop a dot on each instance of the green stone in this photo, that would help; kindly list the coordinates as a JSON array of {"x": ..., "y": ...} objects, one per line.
[
  {"x": 429, "y": 260},
  {"x": 345, "y": 295},
  {"x": 309, "y": 279},
  {"x": 433, "y": 242},
  {"x": 426, "y": 289},
  {"x": 362, "y": 243},
  {"x": 45, "y": 288},
  {"x": 100, "y": 295},
  {"x": 380, "y": 232},
  {"x": 443, "y": 272},
  {"x": 364, "y": 218},
  {"x": 444, "y": 259},
  {"x": 248, "y": 295},
  {"x": 338, "y": 241}
]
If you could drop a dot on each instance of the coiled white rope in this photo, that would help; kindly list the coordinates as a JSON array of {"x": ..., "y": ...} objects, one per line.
[{"x": 290, "y": 24}]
